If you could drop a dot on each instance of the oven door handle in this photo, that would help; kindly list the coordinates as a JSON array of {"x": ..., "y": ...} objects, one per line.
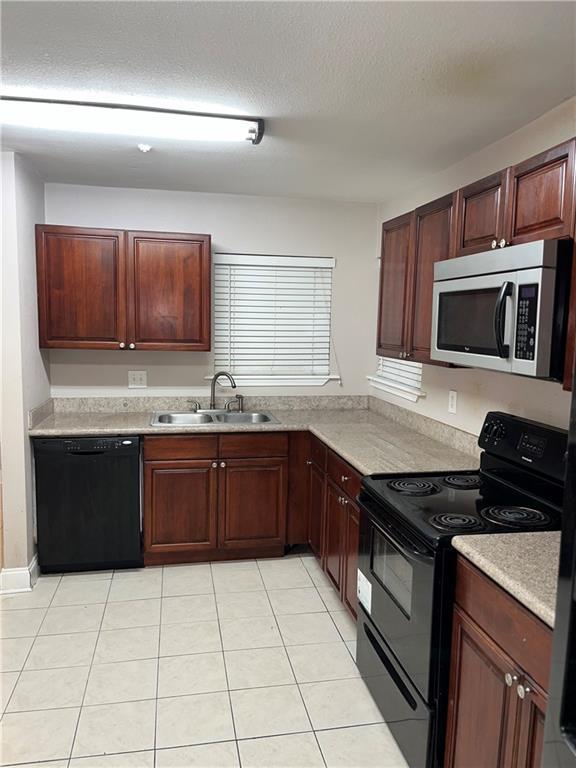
[
  {"x": 500, "y": 317},
  {"x": 410, "y": 554}
]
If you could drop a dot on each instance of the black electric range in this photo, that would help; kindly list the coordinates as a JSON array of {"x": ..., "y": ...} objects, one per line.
[{"x": 406, "y": 566}]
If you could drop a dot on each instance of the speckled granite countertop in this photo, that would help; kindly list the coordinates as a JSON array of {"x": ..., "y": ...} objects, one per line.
[
  {"x": 369, "y": 441},
  {"x": 524, "y": 564}
]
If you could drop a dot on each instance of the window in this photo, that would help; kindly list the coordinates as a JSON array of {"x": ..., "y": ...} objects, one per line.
[
  {"x": 272, "y": 318},
  {"x": 402, "y": 378}
]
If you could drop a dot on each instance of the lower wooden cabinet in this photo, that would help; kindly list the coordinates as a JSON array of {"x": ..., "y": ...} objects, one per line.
[
  {"x": 180, "y": 505},
  {"x": 252, "y": 505},
  {"x": 334, "y": 546},
  {"x": 352, "y": 540},
  {"x": 499, "y": 673},
  {"x": 316, "y": 509},
  {"x": 214, "y": 507}
]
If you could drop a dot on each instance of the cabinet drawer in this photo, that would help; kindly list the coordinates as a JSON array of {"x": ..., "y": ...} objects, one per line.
[
  {"x": 342, "y": 474},
  {"x": 253, "y": 445},
  {"x": 318, "y": 452},
  {"x": 514, "y": 628},
  {"x": 181, "y": 447}
]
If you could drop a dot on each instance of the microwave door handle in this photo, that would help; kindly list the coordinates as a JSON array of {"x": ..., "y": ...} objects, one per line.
[{"x": 500, "y": 317}]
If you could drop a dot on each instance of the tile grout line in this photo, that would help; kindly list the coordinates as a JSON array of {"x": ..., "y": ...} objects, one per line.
[
  {"x": 88, "y": 675},
  {"x": 158, "y": 668},
  {"x": 21, "y": 670},
  {"x": 225, "y": 668},
  {"x": 292, "y": 668}
]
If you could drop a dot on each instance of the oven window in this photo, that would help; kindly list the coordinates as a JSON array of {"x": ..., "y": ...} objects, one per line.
[
  {"x": 466, "y": 321},
  {"x": 393, "y": 571}
]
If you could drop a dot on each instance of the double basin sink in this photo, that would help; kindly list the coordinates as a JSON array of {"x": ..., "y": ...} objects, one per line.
[{"x": 211, "y": 418}]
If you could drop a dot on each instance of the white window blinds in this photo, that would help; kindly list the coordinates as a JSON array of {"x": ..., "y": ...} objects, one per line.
[
  {"x": 402, "y": 378},
  {"x": 272, "y": 317}
]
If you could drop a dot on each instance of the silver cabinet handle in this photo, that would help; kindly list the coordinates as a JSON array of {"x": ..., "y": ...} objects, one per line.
[
  {"x": 502, "y": 243},
  {"x": 121, "y": 345},
  {"x": 344, "y": 501},
  {"x": 222, "y": 464},
  {"x": 308, "y": 462},
  {"x": 523, "y": 691},
  {"x": 132, "y": 345},
  {"x": 214, "y": 464},
  {"x": 493, "y": 244},
  {"x": 344, "y": 478},
  {"x": 509, "y": 679}
]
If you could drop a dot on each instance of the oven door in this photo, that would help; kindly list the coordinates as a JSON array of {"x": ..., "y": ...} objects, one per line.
[
  {"x": 396, "y": 579},
  {"x": 473, "y": 321}
]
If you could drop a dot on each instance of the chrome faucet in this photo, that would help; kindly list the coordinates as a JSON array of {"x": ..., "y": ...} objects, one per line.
[{"x": 213, "y": 386}]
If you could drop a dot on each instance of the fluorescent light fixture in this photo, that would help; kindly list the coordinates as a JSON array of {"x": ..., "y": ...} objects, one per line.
[{"x": 125, "y": 120}]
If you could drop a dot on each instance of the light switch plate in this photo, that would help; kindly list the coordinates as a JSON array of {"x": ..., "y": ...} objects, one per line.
[
  {"x": 137, "y": 379},
  {"x": 452, "y": 401}
]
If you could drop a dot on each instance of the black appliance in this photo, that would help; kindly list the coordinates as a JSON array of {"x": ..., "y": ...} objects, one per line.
[
  {"x": 560, "y": 727},
  {"x": 88, "y": 503},
  {"x": 406, "y": 566}
]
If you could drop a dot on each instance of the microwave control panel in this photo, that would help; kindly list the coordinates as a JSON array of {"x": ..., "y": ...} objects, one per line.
[{"x": 526, "y": 322}]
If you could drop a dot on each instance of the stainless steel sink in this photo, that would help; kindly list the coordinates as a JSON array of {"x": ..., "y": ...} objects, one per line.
[
  {"x": 180, "y": 419},
  {"x": 212, "y": 418},
  {"x": 248, "y": 417}
]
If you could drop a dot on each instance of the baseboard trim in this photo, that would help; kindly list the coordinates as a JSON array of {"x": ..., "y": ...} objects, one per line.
[{"x": 19, "y": 579}]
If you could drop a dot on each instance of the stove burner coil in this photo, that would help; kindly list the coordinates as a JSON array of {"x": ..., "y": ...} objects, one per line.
[
  {"x": 465, "y": 482},
  {"x": 453, "y": 522},
  {"x": 414, "y": 487},
  {"x": 519, "y": 517}
]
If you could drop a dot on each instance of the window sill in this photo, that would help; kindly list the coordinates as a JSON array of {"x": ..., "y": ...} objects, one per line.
[
  {"x": 277, "y": 381},
  {"x": 396, "y": 389}
]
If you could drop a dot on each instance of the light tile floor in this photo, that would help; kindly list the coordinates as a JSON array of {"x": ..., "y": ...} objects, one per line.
[{"x": 216, "y": 665}]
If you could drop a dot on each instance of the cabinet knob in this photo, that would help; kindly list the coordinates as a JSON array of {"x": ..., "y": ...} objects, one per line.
[
  {"x": 344, "y": 501},
  {"x": 121, "y": 345},
  {"x": 523, "y": 691},
  {"x": 407, "y": 354},
  {"x": 214, "y": 464},
  {"x": 223, "y": 464},
  {"x": 132, "y": 345},
  {"x": 502, "y": 243},
  {"x": 308, "y": 462},
  {"x": 344, "y": 478},
  {"x": 509, "y": 679},
  {"x": 493, "y": 244}
]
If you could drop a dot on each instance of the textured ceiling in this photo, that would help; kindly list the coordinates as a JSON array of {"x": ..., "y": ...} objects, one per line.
[{"x": 359, "y": 98}]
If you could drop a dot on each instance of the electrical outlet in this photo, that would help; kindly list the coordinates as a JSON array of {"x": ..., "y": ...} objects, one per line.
[
  {"x": 137, "y": 379},
  {"x": 452, "y": 401}
]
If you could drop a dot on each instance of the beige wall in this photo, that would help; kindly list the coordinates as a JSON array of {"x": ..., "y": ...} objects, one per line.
[
  {"x": 24, "y": 371},
  {"x": 479, "y": 391},
  {"x": 238, "y": 223}
]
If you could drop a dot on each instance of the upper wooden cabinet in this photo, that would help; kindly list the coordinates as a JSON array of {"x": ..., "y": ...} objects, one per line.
[
  {"x": 411, "y": 245},
  {"x": 81, "y": 287},
  {"x": 541, "y": 196},
  {"x": 481, "y": 214},
  {"x": 394, "y": 276},
  {"x": 433, "y": 237},
  {"x": 108, "y": 289}
]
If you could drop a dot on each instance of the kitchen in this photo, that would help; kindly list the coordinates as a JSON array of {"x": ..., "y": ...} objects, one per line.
[{"x": 278, "y": 403}]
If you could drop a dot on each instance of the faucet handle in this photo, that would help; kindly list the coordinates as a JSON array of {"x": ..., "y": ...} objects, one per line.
[
  {"x": 194, "y": 404},
  {"x": 238, "y": 400}
]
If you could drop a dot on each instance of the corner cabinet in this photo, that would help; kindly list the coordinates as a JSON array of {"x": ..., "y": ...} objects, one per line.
[
  {"x": 411, "y": 244},
  {"x": 109, "y": 289},
  {"x": 499, "y": 672}
]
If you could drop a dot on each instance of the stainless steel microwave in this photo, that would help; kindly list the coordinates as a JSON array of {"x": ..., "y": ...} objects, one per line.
[{"x": 505, "y": 310}]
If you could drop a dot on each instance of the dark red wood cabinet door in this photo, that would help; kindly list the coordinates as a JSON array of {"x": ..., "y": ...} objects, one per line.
[
  {"x": 542, "y": 196},
  {"x": 480, "y": 214},
  {"x": 351, "y": 557},
  {"x": 81, "y": 287},
  {"x": 316, "y": 506},
  {"x": 532, "y": 714},
  {"x": 433, "y": 242},
  {"x": 393, "y": 311},
  {"x": 334, "y": 536},
  {"x": 252, "y": 502},
  {"x": 482, "y": 708},
  {"x": 169, "y": 290},
  {"x": 180, "y": 505}
]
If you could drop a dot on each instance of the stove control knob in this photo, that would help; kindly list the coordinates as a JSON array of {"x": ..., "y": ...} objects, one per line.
[{"x": 499, "y": 430}]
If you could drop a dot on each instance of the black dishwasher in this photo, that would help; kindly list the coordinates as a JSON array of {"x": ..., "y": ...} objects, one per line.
[{"x": 88, "y": 503}]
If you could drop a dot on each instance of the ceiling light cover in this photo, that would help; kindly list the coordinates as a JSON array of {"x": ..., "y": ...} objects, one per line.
[{"x": 121, "y": 120}]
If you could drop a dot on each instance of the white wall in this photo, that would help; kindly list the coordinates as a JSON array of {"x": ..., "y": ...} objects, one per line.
[
  {"x": 240, "y": 223},
  {"x": 25, "y": 383},
  {"x": 479, "y": 391}
]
